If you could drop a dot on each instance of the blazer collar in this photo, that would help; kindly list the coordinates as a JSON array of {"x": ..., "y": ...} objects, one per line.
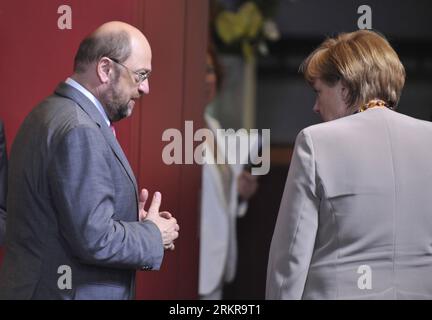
[{"x": 67, "y": 91}]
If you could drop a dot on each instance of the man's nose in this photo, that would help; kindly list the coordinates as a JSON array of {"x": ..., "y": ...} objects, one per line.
[{"x": 144, "y": 87}]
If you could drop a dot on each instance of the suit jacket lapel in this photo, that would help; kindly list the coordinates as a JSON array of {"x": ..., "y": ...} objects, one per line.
[{"x": 70, "y": 92}]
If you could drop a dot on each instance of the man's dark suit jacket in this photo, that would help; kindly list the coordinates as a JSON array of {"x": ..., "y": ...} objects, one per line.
[
  {"x": 3, "y": 183},
  {"x": 73, "y": 206}
]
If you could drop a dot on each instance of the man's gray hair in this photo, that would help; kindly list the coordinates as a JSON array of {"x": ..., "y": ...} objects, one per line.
[{"x": 114, "y": 45}]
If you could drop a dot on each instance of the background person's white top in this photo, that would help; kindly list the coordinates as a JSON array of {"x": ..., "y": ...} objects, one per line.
[{"x": 218, "y": 238}]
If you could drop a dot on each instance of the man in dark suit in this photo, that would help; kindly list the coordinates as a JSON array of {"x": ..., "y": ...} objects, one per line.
[
  {"x": 3, "y": 183},
  {"x": 77, "y": 228}
]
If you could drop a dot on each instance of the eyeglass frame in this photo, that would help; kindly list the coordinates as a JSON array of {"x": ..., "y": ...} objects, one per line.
[{"x": 141, "y": 76}]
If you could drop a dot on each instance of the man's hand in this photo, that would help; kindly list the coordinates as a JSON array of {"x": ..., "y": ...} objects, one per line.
[
  {"x": 247, "y": 185},
  {"x": 142, "y": 201},
  {"x": 164, "y": 220}
]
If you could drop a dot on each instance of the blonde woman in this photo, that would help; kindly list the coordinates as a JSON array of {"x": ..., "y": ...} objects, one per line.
[{"x": 355, "y": 221}]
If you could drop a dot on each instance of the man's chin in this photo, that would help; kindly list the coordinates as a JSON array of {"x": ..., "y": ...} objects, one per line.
[
  {"x": 126, "y": 110},
  {"x": 120, "y": 115},
  {"x": 130, "y": 107}
]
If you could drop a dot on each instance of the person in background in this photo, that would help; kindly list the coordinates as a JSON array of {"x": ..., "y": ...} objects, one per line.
[
  {"x": 77, "y": 228},
  {"x": 225, "y": 191},
  {"x": 3, "y": 182},
  {"x": 355, "y": 219}
]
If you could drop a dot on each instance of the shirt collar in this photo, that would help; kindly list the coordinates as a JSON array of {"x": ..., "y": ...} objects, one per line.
[{"x": 90, "y": 96}]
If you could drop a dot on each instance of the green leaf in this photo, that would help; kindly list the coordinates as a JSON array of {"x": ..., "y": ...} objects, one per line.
[
  {"x": 253, "y": 19},
  {"x": 229, "y": 26}
]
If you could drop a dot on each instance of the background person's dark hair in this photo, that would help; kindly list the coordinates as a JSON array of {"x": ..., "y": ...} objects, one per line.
[{"x": 93, "y": 48}]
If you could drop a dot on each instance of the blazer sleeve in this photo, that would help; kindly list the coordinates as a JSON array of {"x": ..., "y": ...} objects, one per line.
[
  {"x": 83, "y": 194},
  {"x": 3, "y": 183},
  {"x": 296, "y": 226}
]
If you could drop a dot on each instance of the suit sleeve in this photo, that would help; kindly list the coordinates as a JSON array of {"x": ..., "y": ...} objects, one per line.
[
  {"x": 3, "y": 183},
  {"x": 296, "y": 226},
  {"x": 83, "y": 194}
]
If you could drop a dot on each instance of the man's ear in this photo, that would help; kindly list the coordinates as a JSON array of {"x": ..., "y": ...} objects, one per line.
[{"x": 104, "y": 68}]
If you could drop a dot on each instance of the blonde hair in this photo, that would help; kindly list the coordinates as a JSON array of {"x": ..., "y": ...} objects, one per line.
[{"x": 365, "y": 63}]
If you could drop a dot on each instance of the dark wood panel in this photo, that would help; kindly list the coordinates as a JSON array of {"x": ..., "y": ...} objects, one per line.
[{"x": 177, "y": 33}]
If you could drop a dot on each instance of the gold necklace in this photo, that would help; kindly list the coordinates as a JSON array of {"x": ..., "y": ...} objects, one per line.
[{"x": 372, "y": 104}]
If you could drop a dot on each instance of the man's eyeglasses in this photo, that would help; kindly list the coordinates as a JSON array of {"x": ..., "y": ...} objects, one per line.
[{"x": 140, "y": 76}]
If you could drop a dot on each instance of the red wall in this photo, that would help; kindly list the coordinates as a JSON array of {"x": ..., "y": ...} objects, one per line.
[{"x": 36, "y": 55}]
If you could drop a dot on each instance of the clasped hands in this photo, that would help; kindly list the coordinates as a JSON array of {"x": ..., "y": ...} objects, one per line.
[{"x": 164, "y": 220}]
